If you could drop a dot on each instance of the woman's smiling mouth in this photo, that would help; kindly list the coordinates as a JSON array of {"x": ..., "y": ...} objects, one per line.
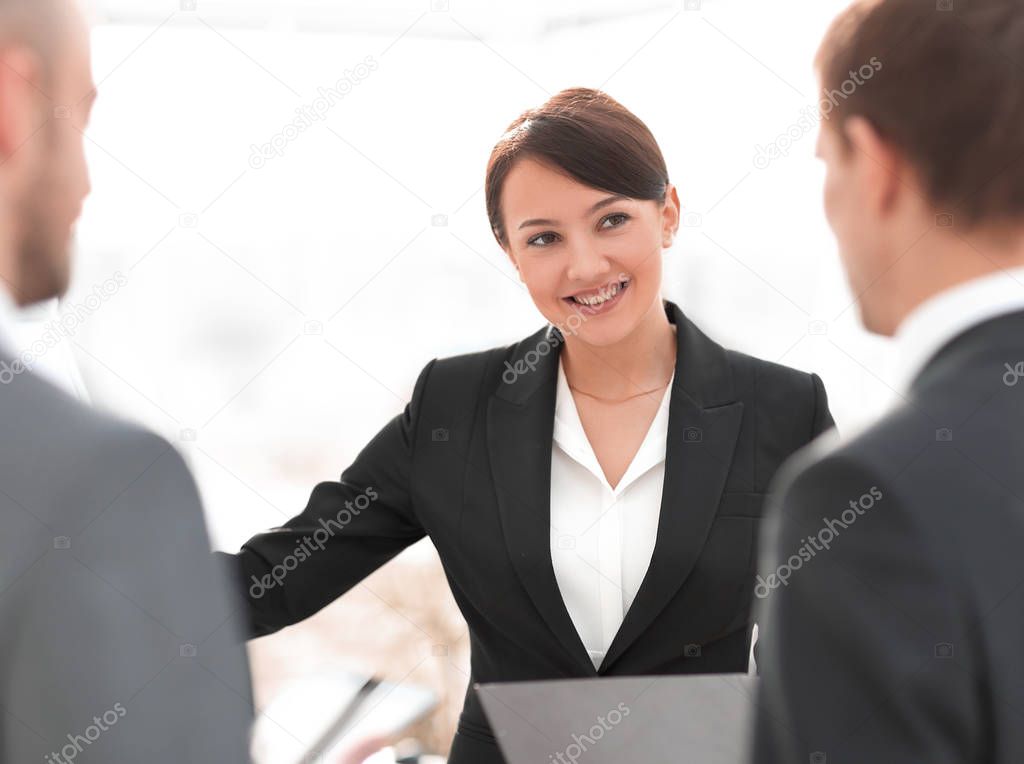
[{"x": 594, "y": 301}]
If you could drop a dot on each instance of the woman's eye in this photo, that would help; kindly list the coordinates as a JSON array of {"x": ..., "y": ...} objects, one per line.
[
  {"x": 538, "y": 240},
  {"x": 616, "y": 220}
]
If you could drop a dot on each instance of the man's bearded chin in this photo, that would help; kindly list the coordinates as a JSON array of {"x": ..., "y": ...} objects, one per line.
[{"x": 44, "y": 261}]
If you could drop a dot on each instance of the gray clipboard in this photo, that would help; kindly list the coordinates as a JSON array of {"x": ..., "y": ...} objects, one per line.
[{"x": 702, "y": 718}]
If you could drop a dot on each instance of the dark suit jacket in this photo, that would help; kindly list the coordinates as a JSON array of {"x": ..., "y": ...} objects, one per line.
[
  {"x": 902, "y": 642},
  {"x": 469, "y": 462},
  {"x": 116, "y": 643}
]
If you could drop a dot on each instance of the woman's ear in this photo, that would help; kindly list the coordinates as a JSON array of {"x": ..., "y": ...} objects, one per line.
[{"x": 670, "y": 216}]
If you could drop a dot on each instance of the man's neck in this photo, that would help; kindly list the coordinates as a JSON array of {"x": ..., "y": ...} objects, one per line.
[{"x": 950, "y": 261}]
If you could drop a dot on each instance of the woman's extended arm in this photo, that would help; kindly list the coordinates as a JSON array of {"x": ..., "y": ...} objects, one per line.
[{"x": 348, "y": 529}]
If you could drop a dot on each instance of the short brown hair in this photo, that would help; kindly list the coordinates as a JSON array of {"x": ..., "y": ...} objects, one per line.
[
  {"x": 589, "y": 136},
  {"x": 949, "y": 93}
]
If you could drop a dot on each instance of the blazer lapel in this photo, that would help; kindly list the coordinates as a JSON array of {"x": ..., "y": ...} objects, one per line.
[
  {"x": 520, "y": 426},
  {"x": 704, "y": 423}
]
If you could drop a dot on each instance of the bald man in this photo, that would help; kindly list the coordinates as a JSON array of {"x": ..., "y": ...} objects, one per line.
[{"x": 118, "y": 641}]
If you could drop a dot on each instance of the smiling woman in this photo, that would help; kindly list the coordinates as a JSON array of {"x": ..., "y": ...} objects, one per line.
[
  {"x": 594, "y": 491},
  {"x": 579, "y": 198}
]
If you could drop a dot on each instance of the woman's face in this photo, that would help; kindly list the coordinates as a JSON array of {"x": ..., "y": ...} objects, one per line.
[{"x": 590, "y": 260}]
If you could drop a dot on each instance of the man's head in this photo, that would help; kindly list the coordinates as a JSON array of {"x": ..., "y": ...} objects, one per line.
[
  {"x": 46, "y": 94},
  {"x": 925, "y": 159}
]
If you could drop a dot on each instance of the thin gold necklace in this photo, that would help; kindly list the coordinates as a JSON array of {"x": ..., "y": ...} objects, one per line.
[{"x": 618, "y": 400}]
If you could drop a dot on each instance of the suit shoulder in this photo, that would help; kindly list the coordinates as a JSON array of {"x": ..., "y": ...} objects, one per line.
[
  {"x": 465, "y": 364},
  {"x": 66, "y": 431},
  {"x": 890, "y": 442},
  {"x": 38, "y": 410},
  {"x": 877, "y": 456},
  {"x": 789, "y": 403},
  {"x": 117, "y": 456},
  {"x": 756, "y": 374},
  {"x": 467, "y": 371}
]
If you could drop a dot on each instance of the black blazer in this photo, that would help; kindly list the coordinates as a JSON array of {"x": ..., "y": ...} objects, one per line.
[
  {"x": 469, "y": 462},
  {"x": 902, "y": 642}
]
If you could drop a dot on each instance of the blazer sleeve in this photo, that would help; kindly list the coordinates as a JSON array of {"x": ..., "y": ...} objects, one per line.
[
  {"x": 863, "y": 657},
  {"x": 348, "y": 529}
]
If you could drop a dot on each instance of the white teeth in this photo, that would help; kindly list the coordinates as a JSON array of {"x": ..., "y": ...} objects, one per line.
[{"x": 603, "y": 295}]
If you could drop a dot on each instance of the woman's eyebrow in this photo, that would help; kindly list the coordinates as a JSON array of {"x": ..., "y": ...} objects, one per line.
[{"x": 594, "y": 208}]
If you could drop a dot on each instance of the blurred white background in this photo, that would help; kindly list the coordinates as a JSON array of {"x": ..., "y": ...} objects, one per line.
[{"x": 273, "y": 318}]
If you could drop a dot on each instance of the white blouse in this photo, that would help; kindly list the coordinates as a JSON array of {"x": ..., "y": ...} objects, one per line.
[{"x": 602, "y": 538}]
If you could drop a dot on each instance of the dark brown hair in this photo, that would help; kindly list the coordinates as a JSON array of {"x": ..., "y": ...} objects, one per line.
[
  {"x": 589, "y": 136},
  {"x": 948, "y": 93}
]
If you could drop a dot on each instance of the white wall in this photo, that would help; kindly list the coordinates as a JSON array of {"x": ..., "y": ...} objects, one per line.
[{"x": 226, "y": 265}]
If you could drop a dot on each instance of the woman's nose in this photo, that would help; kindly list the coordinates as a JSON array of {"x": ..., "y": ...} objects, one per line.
[{"x": 587, "y": 264}]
